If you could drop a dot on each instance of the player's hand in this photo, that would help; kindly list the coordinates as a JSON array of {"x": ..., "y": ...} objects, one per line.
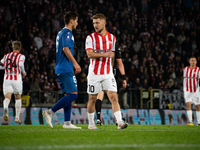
[
  {"x": 124, "y": 84},
  {"x": 77, "y": 68},
  {"x": 109, "y": 54},
  {"x": 24, "y": 74}
]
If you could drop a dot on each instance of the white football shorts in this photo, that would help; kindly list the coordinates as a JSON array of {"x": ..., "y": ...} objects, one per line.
[
  {"x": 192, "y": 97},
  {"x": 12, "y": 86},
  {"x": 97, "y": 83}
]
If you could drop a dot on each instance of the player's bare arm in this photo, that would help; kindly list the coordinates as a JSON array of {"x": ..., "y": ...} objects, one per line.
[
  {"x": 113, "y": 60},
  {"x": 1, "y": 67},
  {"x": 68, "y": 53},
  {"x": 121, "y": 69},
  {"x": 24, "y": 74},
  {"x": 92, "y": 54}
]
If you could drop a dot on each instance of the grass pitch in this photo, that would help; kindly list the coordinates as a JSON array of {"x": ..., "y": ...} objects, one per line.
[{"x": 41, "y": 137}]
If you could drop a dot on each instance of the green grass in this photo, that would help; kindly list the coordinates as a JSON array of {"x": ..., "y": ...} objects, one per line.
[{"x": 41, "y": 137}]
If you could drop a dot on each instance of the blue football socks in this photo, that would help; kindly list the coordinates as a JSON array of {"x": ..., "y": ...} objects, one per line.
[
  {"x": 64, "y": 101},
  {"x": 67, "y": 112}
]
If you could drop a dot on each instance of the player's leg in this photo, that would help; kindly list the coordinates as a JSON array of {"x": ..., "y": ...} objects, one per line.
[
  {"x": 67, "y": 117},
  {"x": 98, "y": 106},
  {"x": 6, "y": 103},
  {"x": 7, "y": 91},
  {"x": 113, "y": 97},
  {"x": 198, "y": 114},
  {"x": 93, "y": 88},
  {"x": 17, "y": 90},
  {"x": 110, "y": 86},
  {"x": 188, "y": 100},
  {"x": 18, "y": 105},
  {"x": 91, "y": 109},
  {"x": 189, "y": 113},
  {"x": 196, "y": 101},
  {"x": 67, "y": 82}
]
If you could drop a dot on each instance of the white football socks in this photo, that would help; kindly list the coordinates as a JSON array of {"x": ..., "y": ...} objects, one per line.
[
  {"x": 118, "y": 117},
  {"x": 91, "y": 119},
  {"x": 189, "y": 113},
  {"x": 6, "y": 102},
  {"x": 18, "y": 106},
  {"x": 198, "y": 116}
]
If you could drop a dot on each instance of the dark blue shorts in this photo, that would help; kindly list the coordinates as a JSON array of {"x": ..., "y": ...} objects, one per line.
[{"x": 67, "y": 82}]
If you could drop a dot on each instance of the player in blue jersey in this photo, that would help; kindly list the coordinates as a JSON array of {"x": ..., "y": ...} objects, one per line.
[{"x": 64, "y": 70}]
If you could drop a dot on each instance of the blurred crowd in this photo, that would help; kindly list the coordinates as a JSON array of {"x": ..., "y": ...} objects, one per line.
[{"x": 156, "y": 37}]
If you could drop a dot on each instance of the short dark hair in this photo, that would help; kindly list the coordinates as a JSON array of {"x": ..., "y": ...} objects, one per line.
[
  {"x": 70, "y": 15},
  {"x": 193, "y": 57}
]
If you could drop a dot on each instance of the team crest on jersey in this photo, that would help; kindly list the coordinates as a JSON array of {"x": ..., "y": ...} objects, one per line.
[{"x": 67, "y": 36}]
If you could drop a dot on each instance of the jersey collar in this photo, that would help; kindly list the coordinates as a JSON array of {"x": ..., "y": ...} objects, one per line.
[{"x": 102, "y": 35}]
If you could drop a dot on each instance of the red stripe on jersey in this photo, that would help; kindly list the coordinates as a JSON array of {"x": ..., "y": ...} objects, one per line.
[
  {"x": 194, "y": 85},
  {"x": 89, "y": 49},
  {"x": 96, "y": 66},
  {"x": 15, "y": 77},
  {"x": 103, "y": 58},
  {"x": 6, "y": 77},
  {"x": 2, "y": 64},
  {"x": 190, "y": 80},
  {"x": 187, "y": 88},
  {"x": 11, "y": 77}
]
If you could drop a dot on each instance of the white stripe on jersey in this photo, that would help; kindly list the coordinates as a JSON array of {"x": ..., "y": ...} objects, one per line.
[
  {"x": 101, "y": 48},
  {"x": 191, "y": 79},
  {"x": 99, "y": 43},
  {"x": 11, "y": 65}
]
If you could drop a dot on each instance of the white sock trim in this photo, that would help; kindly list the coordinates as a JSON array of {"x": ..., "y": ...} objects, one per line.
[
  {"x": 198, "y": 116},
  {"x": 118, "y": 116},
  {"x": 18, "y": 105},
  {"x": 189, "y": 114},
  {"x": 91, "y": 119}
]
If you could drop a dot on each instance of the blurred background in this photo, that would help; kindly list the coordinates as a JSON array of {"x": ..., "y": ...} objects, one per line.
[{"x": 157, "y": 37}]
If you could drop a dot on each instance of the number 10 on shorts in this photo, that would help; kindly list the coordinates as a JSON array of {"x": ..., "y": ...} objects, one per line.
[{"x": 91, "y": 88}]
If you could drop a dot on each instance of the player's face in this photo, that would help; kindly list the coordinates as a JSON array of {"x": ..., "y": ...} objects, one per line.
[
  {"x": 99, "y": 25},
  {"x": 193, "y": 62},
  {"x": 74, "y": 23}
]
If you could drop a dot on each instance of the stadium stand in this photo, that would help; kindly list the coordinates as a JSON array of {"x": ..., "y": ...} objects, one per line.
[{"x": 156, "y": 36}]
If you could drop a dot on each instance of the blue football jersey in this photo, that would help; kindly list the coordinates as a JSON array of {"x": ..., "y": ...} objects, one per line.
[{"x": 64, "y": 38}]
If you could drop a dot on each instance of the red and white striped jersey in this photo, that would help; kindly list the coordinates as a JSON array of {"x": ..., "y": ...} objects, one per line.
[
  {"x": 191, "y": 79},
  {"x": 10, "y": 62},
  {"x": 100, "y": 44}
]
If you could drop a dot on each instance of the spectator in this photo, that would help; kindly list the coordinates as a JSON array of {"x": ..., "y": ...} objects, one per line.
[
  {"x": 175, "y": 86},
  {"x": 123, "y": 93},
  {"x": 38, "y": 41},
  {"x": 137, "y": 86},
  {"x": 82, "y": 88},
  {"x": 34, "y": 91}
]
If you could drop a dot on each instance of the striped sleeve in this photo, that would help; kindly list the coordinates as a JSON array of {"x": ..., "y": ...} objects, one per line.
[
  {"x": 113, "y": 46},
  {"x": 88, "y": 43},
  {"x": 2, "y": 61}
]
